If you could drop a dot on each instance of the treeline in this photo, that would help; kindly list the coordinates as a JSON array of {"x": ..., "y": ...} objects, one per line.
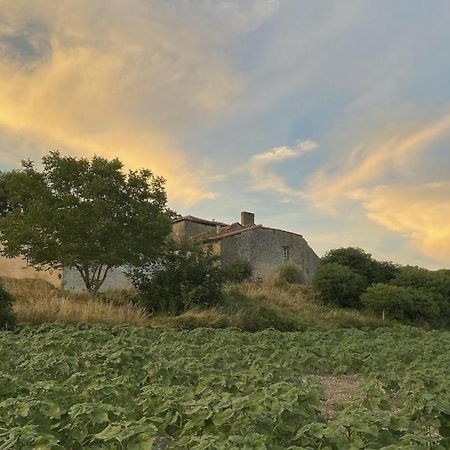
[{"x": 351, "y": 278}]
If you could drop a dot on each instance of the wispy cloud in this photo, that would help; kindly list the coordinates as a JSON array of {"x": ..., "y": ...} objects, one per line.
[
  {"x": 370, "y": 176},
  {"x": 368, "y": 162},
  {"x": 118, "y": 78},
  {"x": 263, "y": 178},
  {"x": 421, "y": 213}
]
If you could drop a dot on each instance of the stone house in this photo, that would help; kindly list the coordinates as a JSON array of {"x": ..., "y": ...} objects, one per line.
[{"x": 263, "y": 247}]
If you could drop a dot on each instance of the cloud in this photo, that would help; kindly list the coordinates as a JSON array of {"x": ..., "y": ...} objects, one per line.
[
  {"x": 264, "y": 179},
  {"x": 118, "y": 79},
  {"x": 376, "y": 175},
  {"x": 421, "y": 213},
  {"x": 368, "y": 162}
]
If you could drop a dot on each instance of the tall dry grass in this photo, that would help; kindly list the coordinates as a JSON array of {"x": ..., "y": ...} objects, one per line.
[
  {"x": 38, "y": 302},
  {"x": 247, "y": 306},
  {"x": 301, "y": 300}
]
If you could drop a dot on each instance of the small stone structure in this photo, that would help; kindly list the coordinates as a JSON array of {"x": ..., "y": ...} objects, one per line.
[{"x": 263, "y": 247}]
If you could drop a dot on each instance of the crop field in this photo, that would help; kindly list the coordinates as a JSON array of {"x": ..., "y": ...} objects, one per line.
[{"x": 100, "y": 387}]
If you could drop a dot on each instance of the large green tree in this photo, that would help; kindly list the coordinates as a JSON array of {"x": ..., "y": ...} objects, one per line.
[{"x": 84, "y": 214}]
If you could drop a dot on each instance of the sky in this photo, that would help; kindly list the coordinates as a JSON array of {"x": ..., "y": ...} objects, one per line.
[{"x": 327, "y": 118}]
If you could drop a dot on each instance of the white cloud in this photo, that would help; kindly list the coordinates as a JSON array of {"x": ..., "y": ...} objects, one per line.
[{"x": 264, "y": 179}]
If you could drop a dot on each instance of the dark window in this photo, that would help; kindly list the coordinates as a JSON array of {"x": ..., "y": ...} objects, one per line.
[{"x": 285, "y": 253}]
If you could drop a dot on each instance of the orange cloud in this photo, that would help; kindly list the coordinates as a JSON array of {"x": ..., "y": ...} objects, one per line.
[
  {"x": 422, "y": 213},
  {"x": 111, "y": 79},
  {"x": 326, "y": 189}
]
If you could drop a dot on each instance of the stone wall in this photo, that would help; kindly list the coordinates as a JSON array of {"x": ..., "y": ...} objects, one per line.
[
  {"x": 187, "y": 228},
  {"x": 116, "y": 279},
  {"x": 264, "y": 248},
  {"x": 18, "y": 268}
]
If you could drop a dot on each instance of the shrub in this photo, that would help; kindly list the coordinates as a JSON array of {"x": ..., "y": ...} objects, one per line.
[
  {"x": 417, "y": 277},
  {"x": 7, "y": 316},
  {"x": 362, "y": 263},
  {"x": 290, "y": 273},
  {"x": 237, "y": 271},
  {"x": 339, "y": 285},
  {"x": 407, "y": 304},
  {"x": 184, "y": 277}
]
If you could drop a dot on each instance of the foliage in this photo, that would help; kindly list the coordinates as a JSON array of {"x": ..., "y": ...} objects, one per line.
[
  {"x": 237, "y": 271},
  {"x": 184, "y": 277},
  {"x": 412, "y": 276},
  {"x": 66, "y": 387},
  {"x": 407, "y": 304},
  {"x": 362, "y": 263},
  {"x": 339, "y": 285},
  {"x": 290, "y": 272},
  {"x": 437, "y": 283},
  {"x": 7, "y": 316},
  {"x": 82, "y": 214}
]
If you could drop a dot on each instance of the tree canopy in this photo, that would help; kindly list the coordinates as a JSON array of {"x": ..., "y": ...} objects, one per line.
[{"x": 84, "y": 214}]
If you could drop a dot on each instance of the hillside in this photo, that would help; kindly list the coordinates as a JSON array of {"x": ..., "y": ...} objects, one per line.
[{"x": 247, "y": 306}]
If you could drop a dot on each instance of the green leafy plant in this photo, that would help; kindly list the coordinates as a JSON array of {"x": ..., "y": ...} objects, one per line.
[
  {"x": 290, "y": 272},
  {"x": 237, "y": 271},
  {"x": 339, "y": 285},
  {"x": 69, "y": 387},
  {"x": 362, "y": 263},
  {"x": 407, "y": 304},
  {"x": 184, "y": 277}
]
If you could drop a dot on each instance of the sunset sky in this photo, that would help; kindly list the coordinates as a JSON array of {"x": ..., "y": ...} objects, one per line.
[{"x": 327, "y": 118}]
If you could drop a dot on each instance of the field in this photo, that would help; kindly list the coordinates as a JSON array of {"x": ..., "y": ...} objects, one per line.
[{"x": 95, "y": 386}]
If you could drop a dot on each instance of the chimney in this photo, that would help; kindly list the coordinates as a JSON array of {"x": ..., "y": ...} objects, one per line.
[{"x": 247, "y": 219}]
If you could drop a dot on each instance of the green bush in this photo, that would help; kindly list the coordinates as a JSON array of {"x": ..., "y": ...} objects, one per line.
[
  {"x": 7, "y": 317},
  {"x": 417, "y": 277},
  {"x": 237, "y": 271},
  {"x": 290, "y": 273},
  {"x": 362, "y": 263},
  {"x": 339, "y": 285},
  {"x": 406, "y": 304},
  {"x": 184, "y": 277}
]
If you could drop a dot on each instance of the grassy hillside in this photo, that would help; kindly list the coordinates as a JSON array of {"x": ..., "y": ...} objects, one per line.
[{"x": 248, "y": 306}]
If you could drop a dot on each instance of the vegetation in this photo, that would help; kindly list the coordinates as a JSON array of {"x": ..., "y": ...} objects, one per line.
[
  {"x": 38, "y": 302},
  {"x": 7, "y": 316},
  {"x": 67, "y": 387},
  {"x": 350, "y": 277},
  {"x": 339, "y": 285},
  {"x": 237, "y": 271},
  {"x": 248, "y": 306},
  {"x": 362, "y": 263},
  {"x": 290, "y": 272},
  {"x": 87, "y": 215},
  {"x": 406, "y": 304},
  {"x": 184, "y": 277}
]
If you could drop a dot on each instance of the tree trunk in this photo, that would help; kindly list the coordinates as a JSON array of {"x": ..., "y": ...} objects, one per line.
[{"x": 93, "y": 278}]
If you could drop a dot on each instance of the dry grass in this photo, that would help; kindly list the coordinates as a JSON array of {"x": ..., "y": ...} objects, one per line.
[
  {"x": 247, "y": 306},
  {"x": 39, "y": 302},
  {"x": 300, "y": 300}
]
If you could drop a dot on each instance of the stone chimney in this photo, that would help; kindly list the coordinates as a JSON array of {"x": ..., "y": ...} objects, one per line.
[{"x": 247, "y": 219}]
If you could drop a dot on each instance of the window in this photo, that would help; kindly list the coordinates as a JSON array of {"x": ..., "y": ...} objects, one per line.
[{"x": 285, "y": 253}]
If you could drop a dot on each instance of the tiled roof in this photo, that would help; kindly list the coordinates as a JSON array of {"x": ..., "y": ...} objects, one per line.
[
  {"x": 226, "y": 232},
  {"x": 199, "y": 220}
]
